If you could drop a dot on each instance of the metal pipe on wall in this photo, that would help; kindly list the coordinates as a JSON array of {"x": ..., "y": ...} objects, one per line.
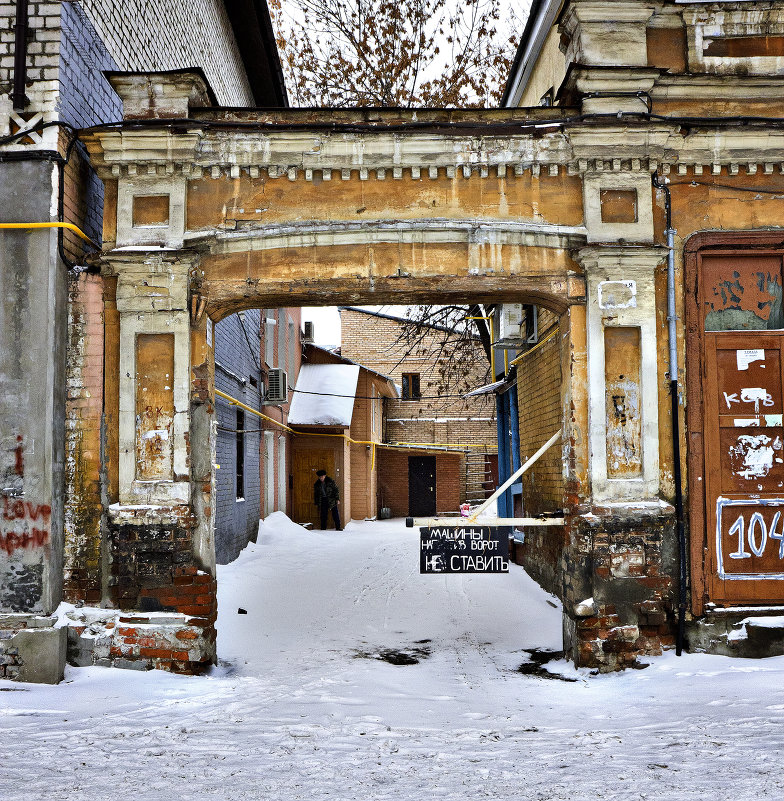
[
  {"x": 18, "y": 95},
  {"x": 672, "y": 318}
]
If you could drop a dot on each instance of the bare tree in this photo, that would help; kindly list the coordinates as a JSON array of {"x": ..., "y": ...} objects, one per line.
[
  {"x": 434, "y": 53},
  {"x": 456, "y": 340}
]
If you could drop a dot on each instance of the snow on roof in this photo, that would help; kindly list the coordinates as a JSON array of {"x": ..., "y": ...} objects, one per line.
[{"x": 333, "y": 387}]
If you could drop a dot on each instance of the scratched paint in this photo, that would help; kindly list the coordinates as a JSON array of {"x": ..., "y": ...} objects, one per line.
[
  {"x": 752, "y": 455},
  {"x": 622, "y": 402},
  {"x": 154, "y": 407},
  {"x": 742, "y": 296}
]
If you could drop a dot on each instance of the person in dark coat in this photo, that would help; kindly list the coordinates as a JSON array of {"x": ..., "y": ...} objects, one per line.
[{"x": 326, "y": 496}]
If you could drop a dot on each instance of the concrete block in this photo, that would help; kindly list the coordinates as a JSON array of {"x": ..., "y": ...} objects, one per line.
[{"x": 42, "y": 653}]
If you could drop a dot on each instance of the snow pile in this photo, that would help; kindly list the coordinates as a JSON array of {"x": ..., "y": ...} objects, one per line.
[
  {"x": 353, "y": 677},
  {"x": 741, "y": 633}
]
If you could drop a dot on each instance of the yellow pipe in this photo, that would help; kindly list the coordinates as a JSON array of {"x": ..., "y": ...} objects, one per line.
[
  {"x": 535, "y": 347},
  {"x": 70, "y": 226},
  {"x": 234, "y": 402}
]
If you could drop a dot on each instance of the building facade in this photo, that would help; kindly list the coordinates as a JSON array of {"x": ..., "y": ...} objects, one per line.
[
  {"x": 637, "y": 201},
  {"x": 431, "y": 409},
  {"x": 55, "y": 62}
]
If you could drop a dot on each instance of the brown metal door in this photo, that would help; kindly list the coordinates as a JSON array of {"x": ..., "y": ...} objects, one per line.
[{"x": 744, "y": 437}]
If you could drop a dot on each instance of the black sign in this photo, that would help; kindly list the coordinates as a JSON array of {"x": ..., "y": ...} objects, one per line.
[{"x": 464, "y": 549}]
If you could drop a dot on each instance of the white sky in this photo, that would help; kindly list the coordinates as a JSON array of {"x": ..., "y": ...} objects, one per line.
[{"x": 326, "y": 321}]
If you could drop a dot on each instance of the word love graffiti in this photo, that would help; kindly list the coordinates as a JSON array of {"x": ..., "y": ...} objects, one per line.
[{"x": 23, "y": 525}]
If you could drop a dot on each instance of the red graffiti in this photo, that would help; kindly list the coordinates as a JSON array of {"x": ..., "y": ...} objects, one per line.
[
  {"x": 19, "y": 465},
  {"x": 18, "y": 533},
  {"x": 13, "y": 541},
  {"x": 14, "y": 509}
]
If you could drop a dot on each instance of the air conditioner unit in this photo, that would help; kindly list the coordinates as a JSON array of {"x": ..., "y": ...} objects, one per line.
[
  {"x": 517, "y": 326},
  {"x": 277, "y": 386},
  {"x": 509, "y": 322},
  {"x": 308, "y": 335}
]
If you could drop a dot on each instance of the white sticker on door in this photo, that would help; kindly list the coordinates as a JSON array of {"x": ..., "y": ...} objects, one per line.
[{"x": 746, "y": 357}]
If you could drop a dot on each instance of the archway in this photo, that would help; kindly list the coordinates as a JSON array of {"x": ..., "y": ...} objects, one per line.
[{"x": 228, "y": 210}]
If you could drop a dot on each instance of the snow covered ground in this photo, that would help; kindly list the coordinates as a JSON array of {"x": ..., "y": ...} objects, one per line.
[{"x": 301, "y": 706}]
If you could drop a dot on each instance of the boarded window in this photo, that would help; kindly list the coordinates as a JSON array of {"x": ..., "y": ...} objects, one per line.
[{"x": 155, "y": 407}]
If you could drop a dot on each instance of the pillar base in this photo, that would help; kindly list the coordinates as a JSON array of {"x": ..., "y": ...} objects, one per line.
[{"x": 31, "y": 649}]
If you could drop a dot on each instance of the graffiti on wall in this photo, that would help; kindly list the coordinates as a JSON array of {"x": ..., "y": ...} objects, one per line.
[
  {"x": 750, "y": 538},
  {"x": 24, "y": 525}
]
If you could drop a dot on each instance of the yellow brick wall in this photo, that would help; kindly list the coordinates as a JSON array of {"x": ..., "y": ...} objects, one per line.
[
  {"x": 371, "y": 341},
  {"x": 539, "y": 404}
]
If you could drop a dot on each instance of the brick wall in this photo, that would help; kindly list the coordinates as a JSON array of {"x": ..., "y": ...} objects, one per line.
[
  {"x": 539, "y": 414},
  {"x": 237, "y": 519},
  {"x": 135, "y": 35},
  {"x": 84, "y": 409},
  {"x": 393, "y": 481},
  {"x": 372, "y": 341}
]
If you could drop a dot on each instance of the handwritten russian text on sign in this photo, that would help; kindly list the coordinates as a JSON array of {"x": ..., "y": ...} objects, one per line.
[{"x": 464, "y": 549}]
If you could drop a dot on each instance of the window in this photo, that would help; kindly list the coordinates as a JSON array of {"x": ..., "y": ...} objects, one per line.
[
  {"x": 282, "y": 474},
  {"x": 240, "y": 460},
  {"x": 281, "y": 339},
  {"x": 292, "y": 345},
  {"x": 411, "y": 386},
  {"x": 269, "y": 473},
  {"x": 269, "y": 336}
]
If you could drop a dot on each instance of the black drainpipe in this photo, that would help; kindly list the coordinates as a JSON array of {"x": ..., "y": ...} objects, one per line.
[
  {"x": 676, "y": 438},
  {"x": 18, "y": 96}
]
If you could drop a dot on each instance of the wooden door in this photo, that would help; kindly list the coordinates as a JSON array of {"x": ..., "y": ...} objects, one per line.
[
  {"x": 305, "y": 463},
  {"x": 744, "y": 437},
  {"x": 421, "y": 485}
]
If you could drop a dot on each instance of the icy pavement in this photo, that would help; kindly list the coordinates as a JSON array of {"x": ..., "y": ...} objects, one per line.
[{"x": 303, "y": 707}]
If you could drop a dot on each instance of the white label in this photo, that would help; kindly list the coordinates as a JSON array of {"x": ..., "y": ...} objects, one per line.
[{"x": 746, "y": 357}]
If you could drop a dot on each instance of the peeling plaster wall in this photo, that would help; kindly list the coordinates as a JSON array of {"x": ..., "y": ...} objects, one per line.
[{"x": 32, "y": 396}]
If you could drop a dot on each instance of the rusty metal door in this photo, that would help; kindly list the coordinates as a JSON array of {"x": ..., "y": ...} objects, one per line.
[{"x": 743, "y": 345}]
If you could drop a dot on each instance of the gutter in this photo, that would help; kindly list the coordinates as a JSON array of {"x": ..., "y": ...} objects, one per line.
[
  {"x": 252, "y": 26},
  {"x": 674, "y": 412},
  {"x": 540, "y": 19}
]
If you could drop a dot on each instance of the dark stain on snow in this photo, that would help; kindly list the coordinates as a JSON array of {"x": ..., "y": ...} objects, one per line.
[
  {"x": 535, "y": 666},
  {"x": 411, "y": 655}
]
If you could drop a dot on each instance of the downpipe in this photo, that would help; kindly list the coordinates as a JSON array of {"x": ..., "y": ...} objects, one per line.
[{"x": 674, "y": 411}]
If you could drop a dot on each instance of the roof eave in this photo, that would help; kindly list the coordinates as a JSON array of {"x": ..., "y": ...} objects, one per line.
[
  {"x": 531, "y": 43},
  {"x": 252, "y": 25}
]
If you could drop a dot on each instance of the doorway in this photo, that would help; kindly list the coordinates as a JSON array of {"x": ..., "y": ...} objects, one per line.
[
  {"x": 421, "y": 486},
  {"x": 741, "y": 328}
]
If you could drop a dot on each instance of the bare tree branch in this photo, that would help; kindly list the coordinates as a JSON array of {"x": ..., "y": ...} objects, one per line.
[{"x": 437, "y": 53}]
